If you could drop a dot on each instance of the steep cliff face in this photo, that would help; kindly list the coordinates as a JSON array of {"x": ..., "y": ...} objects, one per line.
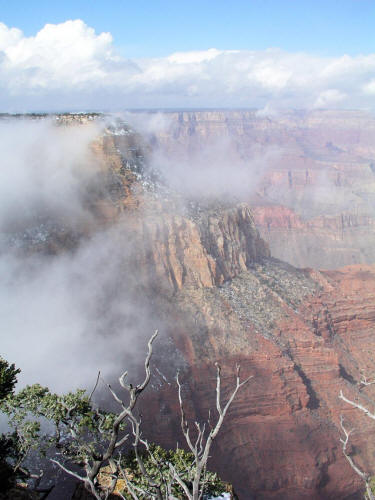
[
  {"x": 318, "y": 164},
  {"x": 325, "y": 241},
  {"x": 304, "y": 335},
  {"x": 181, "y": 252}
]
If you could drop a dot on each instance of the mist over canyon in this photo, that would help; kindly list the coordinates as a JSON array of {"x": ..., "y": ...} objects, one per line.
[{"x": 226, "y": 230}]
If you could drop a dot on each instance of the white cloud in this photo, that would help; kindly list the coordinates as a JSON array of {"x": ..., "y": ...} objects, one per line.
[
  {"x": 369, "y": 87},
  {"x": 71, "y": 311},
  {"x": 8, "y": 36},
  {"x": 68, "y": 65},
  {"x": 197, "y": 56},
  {"x": 328, "y": 98}
]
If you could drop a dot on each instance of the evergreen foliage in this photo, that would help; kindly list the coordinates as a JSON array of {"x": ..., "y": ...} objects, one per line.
[
  {"x": 156, "y": 463},
  {"x": 8, "y": 443},
  {"x": 71, "y": 428},
  {"x": 8, "y": 378}
]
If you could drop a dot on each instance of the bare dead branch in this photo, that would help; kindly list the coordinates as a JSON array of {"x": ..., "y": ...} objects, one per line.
[
  {"x": 344, "y": 442},
  {"x": 147, "y": 363},
  {"x": 366, "y": 477},
  {"x": 152, "y": 483},
  {"x": 201, "y": 451},
  {"x": 68, "y": 471},
  {"x": 365, "y": 381},
  {"x": 95, "y": 386},
  {"x": 122, "y": 381},
  {"x": 180, "y": 482},
  {"x": 357, "y": 470},
  {"x": 183, "y": 422},
  {"x": 115, "y": 397},
  {"x": 218, "y": 388},
  {"x": 365, "y": 410},
  {"x": 132, "y": 488},
  {"x": 129, "y": 486},
  {"x": 94, "y": 464},
  {"x": 122, "y": 441}
]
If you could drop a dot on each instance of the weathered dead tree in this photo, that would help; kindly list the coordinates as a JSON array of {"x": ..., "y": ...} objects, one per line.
[
  {"x": 363, "y": 475},
  {"x": 365, "y": 382},
  {"x": 159, "y": 486},
  {"x": 93, "y": 464},
  {"x": 201, "y": 446}
]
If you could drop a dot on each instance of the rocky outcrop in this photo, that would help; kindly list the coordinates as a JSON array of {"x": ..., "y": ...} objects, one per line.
[
  {"x": 173, "y": 254},
  {"x": 175, "y": 251},
  {"x": 231, "y": 238}
]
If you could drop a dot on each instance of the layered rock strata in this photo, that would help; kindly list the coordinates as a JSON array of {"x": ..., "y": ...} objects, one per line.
[
  {"x": 303, "y": 335},
  {"x": 325, "y": 241},
  {"x": 319, "y": 164}
]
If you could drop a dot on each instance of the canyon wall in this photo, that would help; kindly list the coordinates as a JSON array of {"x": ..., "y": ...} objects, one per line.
[
  {"x": 303, "y": 335},
  {"x": 218, "y": 295},
  {"x": 323, "y": 241},
  {"x": 318, "y": 164}
]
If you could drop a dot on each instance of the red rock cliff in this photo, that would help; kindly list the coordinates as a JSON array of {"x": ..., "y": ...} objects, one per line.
[
  {"x": 304, "y": 335},
  {"x": 318, "y": 164}
]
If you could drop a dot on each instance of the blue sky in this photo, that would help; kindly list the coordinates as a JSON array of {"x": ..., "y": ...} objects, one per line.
[
  {"x": 268, "y": 54},
  {"x": 150, "y": 28}
]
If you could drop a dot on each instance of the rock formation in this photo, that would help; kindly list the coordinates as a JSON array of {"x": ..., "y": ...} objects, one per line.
[
  {"x": 320, "y": 165},
  {"x": 303, "y": 334},
  {"x": 323, "y": 241}
]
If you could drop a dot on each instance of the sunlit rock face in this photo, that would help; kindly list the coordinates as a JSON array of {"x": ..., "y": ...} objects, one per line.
[{"x": 182, "y": 252}]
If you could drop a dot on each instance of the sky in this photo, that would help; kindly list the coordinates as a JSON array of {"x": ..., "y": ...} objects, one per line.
[{"x": 119, "y": 54}]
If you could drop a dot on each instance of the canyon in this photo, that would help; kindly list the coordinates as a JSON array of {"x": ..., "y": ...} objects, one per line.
[
  {"x": 251, "y": 277},
  {"x": 312, "y": 176}
]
